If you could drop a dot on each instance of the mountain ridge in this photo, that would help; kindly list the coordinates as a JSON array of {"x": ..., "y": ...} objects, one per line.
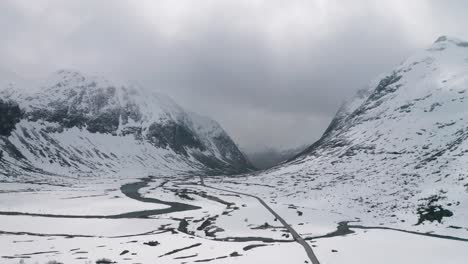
[
  {"x": 92, "y": 110},
  {"x": 398, "y": 152}
]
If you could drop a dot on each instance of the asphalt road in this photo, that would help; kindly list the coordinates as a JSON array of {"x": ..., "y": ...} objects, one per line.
[{"x": 296, "y": 236}]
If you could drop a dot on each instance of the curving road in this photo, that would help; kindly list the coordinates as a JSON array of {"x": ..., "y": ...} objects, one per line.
[{"x": 296, "y": 236}]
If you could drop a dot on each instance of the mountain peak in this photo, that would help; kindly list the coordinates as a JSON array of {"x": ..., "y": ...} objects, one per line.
[
  {"x": 68, "y": 71},
  {"x": 397, "y": 144},
  {"x": 443, "y": 40},
  {"x": 70, "y": 106}
]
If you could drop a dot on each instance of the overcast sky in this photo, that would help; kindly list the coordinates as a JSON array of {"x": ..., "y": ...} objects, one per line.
[{"x": 273, "y": 73}]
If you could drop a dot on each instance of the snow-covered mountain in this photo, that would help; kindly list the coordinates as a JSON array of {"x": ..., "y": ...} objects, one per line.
[
  {"x": 397, "y": 152},
  {"x": 71, "y": 123}
]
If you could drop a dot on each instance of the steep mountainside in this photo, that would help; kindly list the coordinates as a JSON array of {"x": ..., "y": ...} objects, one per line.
[
  {"x": 76, "y": 124},
  {"x": 398, "y": 152}
]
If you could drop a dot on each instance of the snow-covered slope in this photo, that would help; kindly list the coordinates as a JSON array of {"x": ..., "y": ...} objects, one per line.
[
  {"x": 398, "y": 152},
  {"x": 71, "y": 123}
]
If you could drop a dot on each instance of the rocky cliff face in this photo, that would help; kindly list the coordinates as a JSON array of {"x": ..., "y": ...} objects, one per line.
[
  {"x": 10, "y": 115},
  {"x": 73, "y": 123}
]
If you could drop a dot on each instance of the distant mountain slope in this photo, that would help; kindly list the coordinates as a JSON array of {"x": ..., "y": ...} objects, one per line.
[
  {"x": 71, "y": 123},
  {"x": 398, "y": 151},
  {"x": 267, "y": 158}
]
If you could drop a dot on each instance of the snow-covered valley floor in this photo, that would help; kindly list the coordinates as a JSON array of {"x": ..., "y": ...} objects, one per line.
[{"x": 177, "y": 219}]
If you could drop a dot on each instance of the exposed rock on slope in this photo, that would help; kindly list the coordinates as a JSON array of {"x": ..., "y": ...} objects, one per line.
[
  {"x": 399, "y": 145},
  {"x": 72, "y": 123}
]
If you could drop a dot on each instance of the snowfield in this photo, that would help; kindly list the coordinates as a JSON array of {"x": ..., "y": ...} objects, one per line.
[{"x": 225, "y": 229}]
